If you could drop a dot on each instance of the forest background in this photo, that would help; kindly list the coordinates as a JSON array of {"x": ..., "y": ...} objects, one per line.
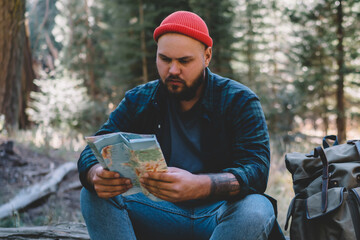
[{"x": 65, "y": 65}]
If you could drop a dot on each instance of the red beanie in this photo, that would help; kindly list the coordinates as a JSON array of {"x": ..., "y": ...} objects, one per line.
[{"x": 186, "y": 23}]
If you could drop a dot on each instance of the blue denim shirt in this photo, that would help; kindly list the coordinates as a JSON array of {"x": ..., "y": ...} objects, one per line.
[{"x": 234, "y": 134}]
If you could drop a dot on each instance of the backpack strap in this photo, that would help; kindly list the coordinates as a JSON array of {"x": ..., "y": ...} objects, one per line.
[
  {"x": 290, "y": 210},
  {"x": 318, "y": 151},
  {"x": 331, "y": 137},
  {"x": 357, "y": 145}
]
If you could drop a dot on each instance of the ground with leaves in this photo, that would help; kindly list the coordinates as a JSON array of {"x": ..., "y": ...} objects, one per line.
[{"x": 25, "y": 166}]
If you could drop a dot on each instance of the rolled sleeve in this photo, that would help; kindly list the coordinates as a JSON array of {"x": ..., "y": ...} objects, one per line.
[
  {"x": 119, "y": 120},
  {"x": 250, "y": 148}
]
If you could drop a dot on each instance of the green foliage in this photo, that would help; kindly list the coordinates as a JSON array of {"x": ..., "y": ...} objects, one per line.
[
  {"x": 41, "y": 15},
  {"x": 284, "y": 51},
  {"x": 115, "y": 30},
  {"x": 219, "y": 17},
  {"x": 316, "y": 50},
  {"x": 61, "y": 103},
  {"x": 261, "y": 61}
]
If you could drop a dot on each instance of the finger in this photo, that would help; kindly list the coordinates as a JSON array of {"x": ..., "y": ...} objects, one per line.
[
  {"x": 158, "y": 188},
  {"x": 104, "y": 188},
  {"x": 173, "y": 169},
  {"x": 111, "y": 182},
  {"x": 103, "y": 173},
  {"x": 160, "y": 177},
  {"x": 148, "y": 182},
  {"x": 165, "y": 196},
  {"x": 108, "y": 195}
]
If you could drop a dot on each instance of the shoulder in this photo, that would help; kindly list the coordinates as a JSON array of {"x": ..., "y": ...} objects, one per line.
[
  {"x": 143, "y": 93},
  {"x": 236, "y": 103}
]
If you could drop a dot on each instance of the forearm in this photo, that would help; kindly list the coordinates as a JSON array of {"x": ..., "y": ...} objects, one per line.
[
  {"x": 86, "y": 161},
  {"x": 223, "y": 185},
  {"x": 91, "y": 173},
  {"x": 218, "y": 185}
]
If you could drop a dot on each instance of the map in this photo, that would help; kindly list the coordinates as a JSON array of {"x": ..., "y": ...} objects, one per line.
[{"x": 129, "y": 154}]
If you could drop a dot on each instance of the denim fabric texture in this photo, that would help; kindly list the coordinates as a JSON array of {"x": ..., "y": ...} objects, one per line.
[{"x": 137, "y": 217}]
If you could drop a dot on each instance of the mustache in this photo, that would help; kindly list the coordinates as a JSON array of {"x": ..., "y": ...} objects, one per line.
[{"x": 174, "y": 78}]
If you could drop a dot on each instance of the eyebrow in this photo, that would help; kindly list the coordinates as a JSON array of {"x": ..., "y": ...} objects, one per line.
[{"x": 181, "y": 58}]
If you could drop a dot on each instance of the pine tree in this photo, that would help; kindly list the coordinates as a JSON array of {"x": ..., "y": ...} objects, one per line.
[
  {"x": 261, "y": 60},
  {"x": 12, "y": 41},
  {"x": 82, "y": 52},
  {"x": 127, "y": 42},
  {"x": 326, "y": 33},
  {"x": 41, "y": 15}
]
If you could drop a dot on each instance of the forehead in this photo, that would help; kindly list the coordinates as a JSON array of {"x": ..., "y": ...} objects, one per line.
[{"x": 179, "y": 44}]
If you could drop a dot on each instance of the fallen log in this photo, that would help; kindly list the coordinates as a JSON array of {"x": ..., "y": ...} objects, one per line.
[
  {"x": 59, "y": 231},
  {"x": 37, "y": 191},
  {"x": 71, "y": 186}
]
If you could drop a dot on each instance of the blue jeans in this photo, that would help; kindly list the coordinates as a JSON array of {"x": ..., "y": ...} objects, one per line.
[{"x": 137, "y": 217}]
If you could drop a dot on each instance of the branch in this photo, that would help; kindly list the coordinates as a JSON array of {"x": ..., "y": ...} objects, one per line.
[{"x": 37, "y": 191}]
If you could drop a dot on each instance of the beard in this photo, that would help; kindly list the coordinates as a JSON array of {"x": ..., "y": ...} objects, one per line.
[{"x": 188, "y": 92}]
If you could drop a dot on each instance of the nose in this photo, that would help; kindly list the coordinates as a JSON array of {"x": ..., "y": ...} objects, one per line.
[{"x": 174, "y": 69}]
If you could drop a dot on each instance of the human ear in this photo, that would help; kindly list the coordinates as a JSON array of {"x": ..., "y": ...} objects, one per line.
[{"x": 208, "y": 55}]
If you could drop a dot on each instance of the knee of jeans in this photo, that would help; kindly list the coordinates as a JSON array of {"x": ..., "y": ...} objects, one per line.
[
  {"x": 261, "y": 216},
  {"x": 259, "y": 209},
  {"x": 87, "y": 196},
  {"x": 90, "y": 199},
  {"x": 256, "y": 208}
]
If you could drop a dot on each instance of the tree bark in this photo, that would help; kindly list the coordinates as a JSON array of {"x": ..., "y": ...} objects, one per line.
[
  {"x": 323, "y": 93},
  {"x": 341, "y": 118},
  {"x": 27, "y": 81},
  {"x": 90, "y": 53},
  {"x": 249, "y": 45},
  {"x": 12, "y": 35},
  {"x": 143, "y": 43}
]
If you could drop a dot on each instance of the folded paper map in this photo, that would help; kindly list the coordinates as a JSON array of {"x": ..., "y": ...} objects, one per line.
[{"x": 129, "y": 154}]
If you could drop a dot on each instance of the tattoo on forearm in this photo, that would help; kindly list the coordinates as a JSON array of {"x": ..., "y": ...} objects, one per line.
[{"x": 223, "y": 184}]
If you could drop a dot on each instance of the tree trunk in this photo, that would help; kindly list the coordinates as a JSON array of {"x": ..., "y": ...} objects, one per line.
[
  {"x": 250, "y": 47},
  {"x": 90, "y": 53},
  {"x": 12, "y": 35},
  {"x": 323, "y": 92},
  {"x": 27, "y": 81},
  {"x": 143, "y": 43},
  {"x": 341, "y": 118}
]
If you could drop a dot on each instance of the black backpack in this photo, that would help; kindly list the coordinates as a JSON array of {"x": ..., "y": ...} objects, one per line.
[{"x": 327, "y": 192}]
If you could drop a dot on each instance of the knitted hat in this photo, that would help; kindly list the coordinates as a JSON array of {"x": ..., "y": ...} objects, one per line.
[{"x": 186, "y": 23}]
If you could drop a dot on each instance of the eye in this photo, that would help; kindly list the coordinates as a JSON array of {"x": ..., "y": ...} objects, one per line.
[
  {"x": 183, "y": 61},
  {"x": 165, "y": 59}
]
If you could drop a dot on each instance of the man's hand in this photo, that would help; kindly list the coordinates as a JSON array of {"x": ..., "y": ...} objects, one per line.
[
  {"x": 107, "y": 184},
  {"x": 176, "y": 185}
]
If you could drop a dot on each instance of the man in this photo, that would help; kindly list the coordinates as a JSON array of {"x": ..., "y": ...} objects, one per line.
[{"x": 214, "y": 138}]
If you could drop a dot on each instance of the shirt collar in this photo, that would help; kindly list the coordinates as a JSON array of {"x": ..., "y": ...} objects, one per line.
[{"x": 208, "y": 95}]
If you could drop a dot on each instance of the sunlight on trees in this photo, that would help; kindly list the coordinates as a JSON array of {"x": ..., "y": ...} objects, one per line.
[{"x": 59, "y": 102}]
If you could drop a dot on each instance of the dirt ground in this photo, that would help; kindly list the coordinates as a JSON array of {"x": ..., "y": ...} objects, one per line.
[{"x": 20, "y": 167}]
